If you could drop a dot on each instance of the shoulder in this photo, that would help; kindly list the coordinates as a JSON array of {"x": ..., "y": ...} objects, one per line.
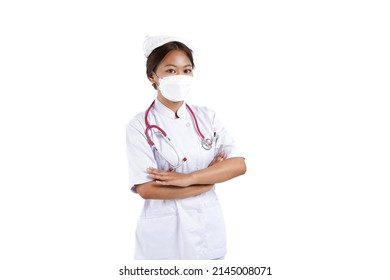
[
  {"x": 202, "y": 111},
  {"x": 137, "y": 122}
]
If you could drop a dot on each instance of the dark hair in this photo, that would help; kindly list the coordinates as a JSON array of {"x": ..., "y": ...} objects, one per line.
[{"x": 158, "y": 54}]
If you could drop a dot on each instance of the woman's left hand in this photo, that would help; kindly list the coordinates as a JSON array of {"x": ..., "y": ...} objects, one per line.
[
  {"x": 218, "y": 158},
  {"x": 171, "y": 178}
]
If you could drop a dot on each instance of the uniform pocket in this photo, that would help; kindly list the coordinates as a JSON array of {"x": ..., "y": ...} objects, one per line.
[
  {"x": 215, "y": 226},
  {"x": 157, "y": 237},
  {"x": 155, "y": 208}
]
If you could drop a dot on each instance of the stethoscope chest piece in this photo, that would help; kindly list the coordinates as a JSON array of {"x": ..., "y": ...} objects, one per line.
[{"x": 207, "y": 143}]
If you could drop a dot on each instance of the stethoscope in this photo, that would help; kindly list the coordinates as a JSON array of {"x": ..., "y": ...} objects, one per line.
[{"x": 206, "y": 143}]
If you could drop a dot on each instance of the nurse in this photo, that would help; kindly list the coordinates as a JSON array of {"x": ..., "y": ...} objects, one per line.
[{"x": 176, "y": 154}]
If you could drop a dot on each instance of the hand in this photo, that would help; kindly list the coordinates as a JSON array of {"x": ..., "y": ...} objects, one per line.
[
  {"x": 218, "y": 158},
  {"x": 169, "y": 178}
]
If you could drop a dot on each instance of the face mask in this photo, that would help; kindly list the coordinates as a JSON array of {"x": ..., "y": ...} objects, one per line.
[{"x": 175, "y": 88}]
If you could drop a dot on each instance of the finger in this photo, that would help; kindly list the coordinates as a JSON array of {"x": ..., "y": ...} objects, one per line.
[
  {"x": 152, "y": 170},
  {"x": 161, "y": 182},
  {"x": 154, "y": 173},
  {"x": 221, "y": 157},
  {"x": 217, "y": 158},
  {"x": 160, "y": 177}
]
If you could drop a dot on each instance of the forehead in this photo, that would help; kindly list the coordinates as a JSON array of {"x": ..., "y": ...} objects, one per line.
[{"x": 175, "y": 58}]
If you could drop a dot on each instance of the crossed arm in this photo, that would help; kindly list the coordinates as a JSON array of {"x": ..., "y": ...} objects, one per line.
[{"x": 174, "y": 185}]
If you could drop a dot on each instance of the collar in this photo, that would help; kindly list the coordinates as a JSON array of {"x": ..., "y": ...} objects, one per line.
[{"x": 164, "y": 110}]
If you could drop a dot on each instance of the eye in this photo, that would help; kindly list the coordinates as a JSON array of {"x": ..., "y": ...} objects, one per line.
[
  {"x": 188, "y": 71},
  {"x": 171, "y": 71}
]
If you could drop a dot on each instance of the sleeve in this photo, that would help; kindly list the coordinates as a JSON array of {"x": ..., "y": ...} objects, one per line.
[
  {"x": 139, "y": 155},
  {"x": 224, "y": 141}
]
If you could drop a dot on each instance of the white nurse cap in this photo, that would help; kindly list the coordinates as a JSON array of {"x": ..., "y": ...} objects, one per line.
[{"x": 153, "y": 42}]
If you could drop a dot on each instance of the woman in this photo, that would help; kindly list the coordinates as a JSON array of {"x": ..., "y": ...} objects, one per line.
[{"x": 176, "y": 154}]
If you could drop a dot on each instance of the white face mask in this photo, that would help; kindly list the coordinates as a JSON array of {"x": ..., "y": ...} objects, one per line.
[{"x": 175, "y": 88}]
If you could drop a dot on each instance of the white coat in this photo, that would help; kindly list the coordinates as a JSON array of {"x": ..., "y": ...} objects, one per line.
[{"x": 188, "y": 228}]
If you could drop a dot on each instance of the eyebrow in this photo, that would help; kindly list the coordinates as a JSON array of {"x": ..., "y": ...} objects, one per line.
[{"x": 172, "y": 65}]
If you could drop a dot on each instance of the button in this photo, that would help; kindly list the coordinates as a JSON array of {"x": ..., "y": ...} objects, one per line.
[{"x": 188, "y": 124}]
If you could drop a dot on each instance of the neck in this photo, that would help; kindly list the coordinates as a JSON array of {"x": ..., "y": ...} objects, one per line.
[{"x": 174, "y": 106}]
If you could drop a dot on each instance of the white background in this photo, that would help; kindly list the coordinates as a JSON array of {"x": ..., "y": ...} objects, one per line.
[{"x": 303, "y": 86}]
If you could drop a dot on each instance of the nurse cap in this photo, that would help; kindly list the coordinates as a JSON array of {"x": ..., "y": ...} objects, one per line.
[{"x": 153, "y": 42}]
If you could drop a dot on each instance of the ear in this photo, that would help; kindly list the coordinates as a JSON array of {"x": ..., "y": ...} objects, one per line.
[{"x": 153, "y": 79}]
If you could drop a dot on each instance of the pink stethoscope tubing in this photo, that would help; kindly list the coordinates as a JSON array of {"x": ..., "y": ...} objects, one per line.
[{"x": 206, "y": 143}]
